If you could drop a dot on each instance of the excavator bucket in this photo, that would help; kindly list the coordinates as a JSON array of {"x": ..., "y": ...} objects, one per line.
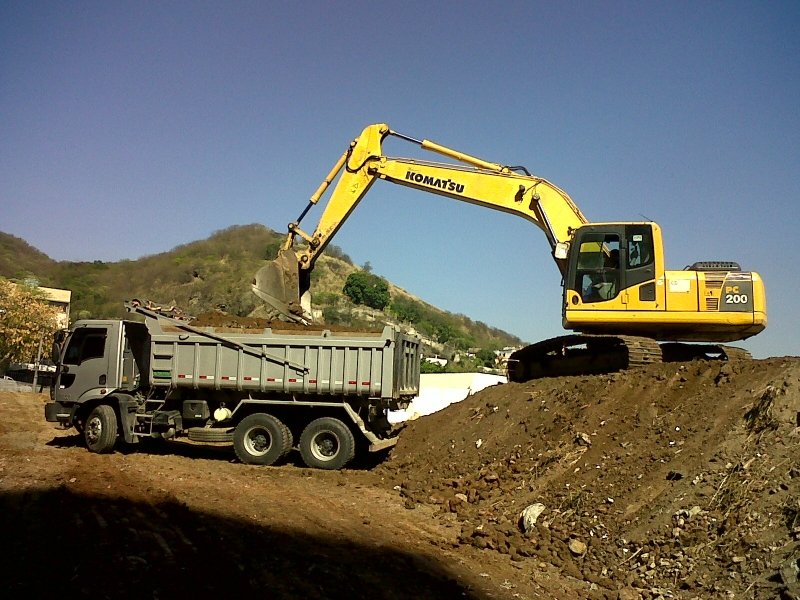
[{"x": 278, "y": 284}]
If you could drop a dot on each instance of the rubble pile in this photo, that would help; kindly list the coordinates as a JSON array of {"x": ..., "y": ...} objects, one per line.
[{"x": 676, "y": 480}]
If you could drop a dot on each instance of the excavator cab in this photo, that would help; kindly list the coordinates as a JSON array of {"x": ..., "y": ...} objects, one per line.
[
  {"x": 607, "y": 260},
  {"x": 611, "y": 267}
]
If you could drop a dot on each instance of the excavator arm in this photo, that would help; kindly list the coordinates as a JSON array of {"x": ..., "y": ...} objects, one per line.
[{"x": 283, "y": 283}]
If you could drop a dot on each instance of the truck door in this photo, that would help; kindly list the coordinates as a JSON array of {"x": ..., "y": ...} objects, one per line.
[{"x": 84, "y": 368}]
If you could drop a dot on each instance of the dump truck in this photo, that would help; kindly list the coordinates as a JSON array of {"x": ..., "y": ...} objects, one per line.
[{"x": 124, "y": 380}]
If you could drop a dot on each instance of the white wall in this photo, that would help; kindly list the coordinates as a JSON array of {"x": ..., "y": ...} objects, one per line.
[{"x": 438, "y": 390}]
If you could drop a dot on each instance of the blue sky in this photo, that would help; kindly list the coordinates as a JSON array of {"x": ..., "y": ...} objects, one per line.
[{"x": 129, "y": 128}]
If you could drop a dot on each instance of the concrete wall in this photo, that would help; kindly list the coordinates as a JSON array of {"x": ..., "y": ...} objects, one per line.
[
  {"x": 9, "y": 385},
  {"x": 438, "y": 390}
]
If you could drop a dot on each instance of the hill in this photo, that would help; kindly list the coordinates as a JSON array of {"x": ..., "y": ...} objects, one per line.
[
  {"x": 216, "y": 273},
  {"x": 19, "y": 260}
]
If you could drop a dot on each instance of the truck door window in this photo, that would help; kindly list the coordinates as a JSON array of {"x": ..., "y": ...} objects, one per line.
[
  {"x": 85, "y": 344},
  {"x": 598, "y": 267}
]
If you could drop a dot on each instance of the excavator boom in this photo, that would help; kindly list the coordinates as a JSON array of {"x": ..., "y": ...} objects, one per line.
[{"x": 284, "y": 282}]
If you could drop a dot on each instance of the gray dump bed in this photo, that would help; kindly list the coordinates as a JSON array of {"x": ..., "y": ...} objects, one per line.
[{"x": 310, "y": 363}]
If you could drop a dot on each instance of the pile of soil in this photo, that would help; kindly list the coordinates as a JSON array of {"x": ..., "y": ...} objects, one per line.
[
  {"x": 669, "y": 481},
  {"x": 222, "y": 320},
  {"x": 672, "y": 481}
]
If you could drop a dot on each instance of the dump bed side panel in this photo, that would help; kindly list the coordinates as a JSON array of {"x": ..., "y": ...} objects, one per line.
[{"x": 380, "y": 365}]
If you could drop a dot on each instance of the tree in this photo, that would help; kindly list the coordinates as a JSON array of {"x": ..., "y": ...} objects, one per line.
[
  {"x": 368, "y": 289},
  {"x": 24, "y": 315},
  {"x": 407, "y": 310},
  {"x": 487, "y": 357}
]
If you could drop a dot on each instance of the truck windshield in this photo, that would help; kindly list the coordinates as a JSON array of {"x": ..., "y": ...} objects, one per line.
[{"x": 85, "y": 343}]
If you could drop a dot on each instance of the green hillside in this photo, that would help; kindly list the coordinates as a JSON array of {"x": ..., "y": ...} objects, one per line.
[
  {"x": 216, "y": 273},
  {"x": 18, "y": 259}
]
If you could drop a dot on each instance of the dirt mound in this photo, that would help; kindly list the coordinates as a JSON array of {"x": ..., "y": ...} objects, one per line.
[
  {"x": 222, "y": 320},
  {"x": 675, "y": 480}
]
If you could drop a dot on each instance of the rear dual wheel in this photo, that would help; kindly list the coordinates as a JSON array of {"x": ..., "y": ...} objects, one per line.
[
  {"x": 261, "y": 439},
  {"x": 327, "y": 443}
]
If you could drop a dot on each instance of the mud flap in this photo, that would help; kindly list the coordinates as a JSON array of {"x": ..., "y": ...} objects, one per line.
[
  {"x": 127, "y": 418},
  {"x": 376, "y": 444}
]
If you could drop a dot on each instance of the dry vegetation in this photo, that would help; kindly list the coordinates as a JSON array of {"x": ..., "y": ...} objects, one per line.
[{"x": 216, "y": 273}]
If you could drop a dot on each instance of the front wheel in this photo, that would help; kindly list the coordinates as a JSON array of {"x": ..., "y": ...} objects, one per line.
[
  {"x": 100, "y": 430},
  {"x": 327, "y": 443},
  {"x": 260, "y": 439}
]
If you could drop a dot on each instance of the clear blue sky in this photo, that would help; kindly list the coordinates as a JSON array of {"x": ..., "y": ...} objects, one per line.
[{"x": 129, "y": 128}]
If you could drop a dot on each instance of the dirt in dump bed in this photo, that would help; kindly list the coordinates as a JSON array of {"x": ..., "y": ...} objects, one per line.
[
  {"x": 221, "y": 320},
  {"x": 675, "y": 480}
]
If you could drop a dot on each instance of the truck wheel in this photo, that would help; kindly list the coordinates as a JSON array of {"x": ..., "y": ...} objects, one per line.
[
  {"x": 327, "y": 443},
  {"x": 100, "y": 430},
  {"x": 259, "y": 439},
  {"x": 288, "y": 440}
]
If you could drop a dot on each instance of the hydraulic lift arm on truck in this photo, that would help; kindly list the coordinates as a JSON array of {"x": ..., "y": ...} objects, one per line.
[{"x": 617, "y": 293}]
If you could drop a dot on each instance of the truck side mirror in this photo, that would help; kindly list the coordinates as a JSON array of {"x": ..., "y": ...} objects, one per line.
[{"x": 58, "y": 339}]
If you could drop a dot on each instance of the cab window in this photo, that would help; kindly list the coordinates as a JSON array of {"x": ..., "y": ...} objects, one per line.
[
  {"x": 598, "y": 277},
  {"x": 85, "y": 344},
  {"x": 640, "y": 246}
]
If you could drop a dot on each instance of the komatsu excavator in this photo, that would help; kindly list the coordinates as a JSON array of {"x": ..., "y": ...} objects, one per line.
[{"x": 618, "y": 298}]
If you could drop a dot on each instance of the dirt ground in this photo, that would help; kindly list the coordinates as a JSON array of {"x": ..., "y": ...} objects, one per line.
[{"x": 673, "y": 481}]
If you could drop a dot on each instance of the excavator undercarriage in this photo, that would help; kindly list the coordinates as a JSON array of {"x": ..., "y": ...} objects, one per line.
[{"x": 581, "y": 354}]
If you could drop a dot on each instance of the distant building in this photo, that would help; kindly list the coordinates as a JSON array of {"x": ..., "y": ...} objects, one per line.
[
  {"x": 435, "y": 360},
  {"x": 502, "y": 356},
  {"x": 60, "y": 299}
]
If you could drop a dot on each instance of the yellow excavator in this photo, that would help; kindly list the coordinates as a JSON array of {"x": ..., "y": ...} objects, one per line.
[{"x": 618, "y": 297}]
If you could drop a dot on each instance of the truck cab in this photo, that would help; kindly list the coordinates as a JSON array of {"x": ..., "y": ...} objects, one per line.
[{"x": 97, "y": 358}]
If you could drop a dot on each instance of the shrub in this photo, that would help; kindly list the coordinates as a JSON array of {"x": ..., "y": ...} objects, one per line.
[
  {"x": 336, "y": 252},
  {"x": 326, "y": 298},
  {"x": 368, "y": 289}
]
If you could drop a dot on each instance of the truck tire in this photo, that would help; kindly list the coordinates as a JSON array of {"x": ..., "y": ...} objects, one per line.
[
  {"x": 327, "y": 443},
  {"x": 288, "y": 440},
  {"x": 206, "y": 434},
  {"x": 100, "y": 431},
  {"x": 259, "y": 439}
]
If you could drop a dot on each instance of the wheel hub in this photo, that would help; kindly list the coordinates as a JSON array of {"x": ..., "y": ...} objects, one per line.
[
  {"x": 94, "y": 428},
  {"x": 325, "y": 446},
  {"x": 258, "y": 441}
]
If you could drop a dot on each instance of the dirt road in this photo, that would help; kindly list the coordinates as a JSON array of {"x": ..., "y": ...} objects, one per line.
[
  {"x": 675, "y": 481},
  {"x": 186, "y": 520}
]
